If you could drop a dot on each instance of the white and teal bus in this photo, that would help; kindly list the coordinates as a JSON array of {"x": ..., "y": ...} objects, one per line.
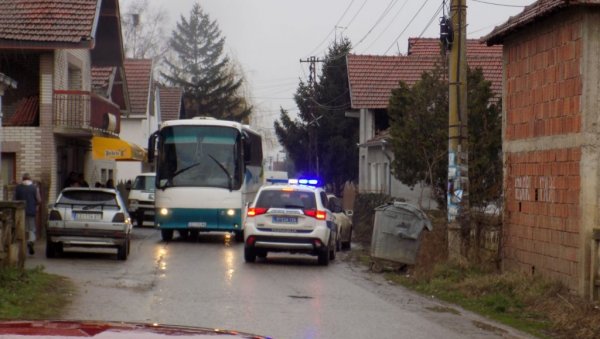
[{"x": 207, "y": 172}]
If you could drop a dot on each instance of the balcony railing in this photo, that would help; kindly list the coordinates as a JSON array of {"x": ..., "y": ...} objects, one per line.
[{"x": 85, "y": 111}]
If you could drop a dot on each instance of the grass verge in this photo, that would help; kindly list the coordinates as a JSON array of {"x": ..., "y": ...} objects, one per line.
[
  {"x": 508, "y": 298},
  {"x": 33, "y": 294}
]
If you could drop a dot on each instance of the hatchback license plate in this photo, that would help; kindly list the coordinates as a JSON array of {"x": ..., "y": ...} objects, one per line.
[
  {"x": 285, "y": 220},
  {"x": 88, "y": 216}
]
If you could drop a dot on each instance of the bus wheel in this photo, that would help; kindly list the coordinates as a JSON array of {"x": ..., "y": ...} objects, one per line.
[
  {"x": 239, "y": 236},
  {"x": 167, "y": 235}
]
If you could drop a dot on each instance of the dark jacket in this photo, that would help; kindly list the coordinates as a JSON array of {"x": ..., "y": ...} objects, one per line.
[{"x": 29, "y": 194}]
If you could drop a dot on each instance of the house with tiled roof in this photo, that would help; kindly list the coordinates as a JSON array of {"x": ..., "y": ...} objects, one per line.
[
  {"x": 550, "y": 141},
  {"x": 170, "y": 103},
  {"x": 141, "y": 119},
  {"x": 371, "y": 80},
  {"x": 66, "y": 57}
]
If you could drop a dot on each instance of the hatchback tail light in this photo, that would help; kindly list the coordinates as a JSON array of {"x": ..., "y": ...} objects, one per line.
[
  {"x": 54, "y": 215},
  {"x": 319, "y": 215},
  {"x": 119, "y": 217},
  {"x": 254, "y": 211}
]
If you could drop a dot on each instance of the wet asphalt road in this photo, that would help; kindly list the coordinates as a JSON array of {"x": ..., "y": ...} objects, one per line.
[{"x": 205, "y": 282}]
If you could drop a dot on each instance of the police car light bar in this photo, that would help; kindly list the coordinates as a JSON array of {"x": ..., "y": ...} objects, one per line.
[{"x": 304, "y": 181}]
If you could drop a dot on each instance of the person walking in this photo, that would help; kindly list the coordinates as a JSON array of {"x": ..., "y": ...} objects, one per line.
[{"x": 28, "y": 192}]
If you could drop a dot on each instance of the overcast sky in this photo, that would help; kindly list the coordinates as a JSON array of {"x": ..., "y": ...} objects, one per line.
[{"x": 269, "y": 37}]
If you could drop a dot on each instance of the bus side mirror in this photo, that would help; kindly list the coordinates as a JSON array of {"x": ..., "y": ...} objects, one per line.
[{"x": 152, "y": 146}]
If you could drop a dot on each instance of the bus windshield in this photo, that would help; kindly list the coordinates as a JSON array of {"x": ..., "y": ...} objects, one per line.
[{"x": 200, "y": 156}]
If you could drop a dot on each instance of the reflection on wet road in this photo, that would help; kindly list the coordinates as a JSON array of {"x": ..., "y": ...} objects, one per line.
[{"x": 203, "y": 281}]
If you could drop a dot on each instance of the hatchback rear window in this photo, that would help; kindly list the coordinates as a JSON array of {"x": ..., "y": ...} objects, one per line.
[
  {"x": 88, "y": 198},
  {"x": 286, "y": 199}
]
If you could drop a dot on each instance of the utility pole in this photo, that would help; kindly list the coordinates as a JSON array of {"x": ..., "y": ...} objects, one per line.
[
  {"x": 458, "y": 154},
  {"x": 313, "y": 145}
]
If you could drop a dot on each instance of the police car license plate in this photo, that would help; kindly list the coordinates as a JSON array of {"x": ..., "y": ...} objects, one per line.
[{"x": 284, "y": 220}]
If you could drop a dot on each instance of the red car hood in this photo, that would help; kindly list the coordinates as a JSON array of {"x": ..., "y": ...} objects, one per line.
[{"x": 104, "y": 330}]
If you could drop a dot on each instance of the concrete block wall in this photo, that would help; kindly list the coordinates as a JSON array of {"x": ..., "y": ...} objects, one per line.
[{"x": 543, "y": 124}]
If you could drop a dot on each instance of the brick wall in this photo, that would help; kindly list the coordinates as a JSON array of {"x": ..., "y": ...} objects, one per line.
[
  {"x": 543, "y": 158},
  {"x": 543, "y": 81},
  {"x": 28, "y": 142},
  {"x": 542, "y": 213}
]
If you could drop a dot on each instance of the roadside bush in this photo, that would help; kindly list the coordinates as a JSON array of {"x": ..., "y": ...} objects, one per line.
[{"x": 364, "y": 215}]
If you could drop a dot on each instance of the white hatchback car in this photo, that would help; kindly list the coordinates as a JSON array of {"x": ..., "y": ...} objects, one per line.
[
  {"x": 88, "y": 217},
  {"x": 343, "y": 219},
  {"x": 290, "y": 218}
]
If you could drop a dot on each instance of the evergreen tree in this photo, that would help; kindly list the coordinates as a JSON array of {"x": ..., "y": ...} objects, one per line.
[
  {"x": 419, "y": 132},
  {"x": 198, "y": 66},
  {"x": 322, "y": 113}
]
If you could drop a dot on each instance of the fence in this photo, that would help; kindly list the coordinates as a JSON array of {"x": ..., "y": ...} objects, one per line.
[{"x": 12, "y": 234}]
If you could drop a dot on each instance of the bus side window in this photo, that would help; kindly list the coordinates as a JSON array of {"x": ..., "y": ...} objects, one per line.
[{"x": 252, "y": 149}]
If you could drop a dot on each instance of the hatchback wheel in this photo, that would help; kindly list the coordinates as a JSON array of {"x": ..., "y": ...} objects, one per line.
[
  {"x": 346, "y": 244},
  {"x": 123, "y": 250},
  {"x": 51, "y": 249}
]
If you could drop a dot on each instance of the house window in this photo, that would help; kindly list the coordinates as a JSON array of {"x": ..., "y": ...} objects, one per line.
[
  {"x": 103, "y": 175},
  {"x": 74, "y": 78},
  {"x": 8, "y": 168}
]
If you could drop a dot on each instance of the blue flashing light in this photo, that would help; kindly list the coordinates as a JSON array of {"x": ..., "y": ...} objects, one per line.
[{"x": 304, "y": 181}]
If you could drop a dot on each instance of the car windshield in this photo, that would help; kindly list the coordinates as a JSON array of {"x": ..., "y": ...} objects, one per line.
[
  {"x": 144, "y": 183},
  {"x": 88, "y": 198},
  {"x": 286, "y": 199}
]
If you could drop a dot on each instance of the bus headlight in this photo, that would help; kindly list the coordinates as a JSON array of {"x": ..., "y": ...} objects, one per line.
[
  {"x": 230, "y": 212},
  {"x": 164, "y": 211}
]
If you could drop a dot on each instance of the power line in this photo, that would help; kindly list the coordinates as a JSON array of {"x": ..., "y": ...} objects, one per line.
[
  {"x": 432, "y": 18},
  {"x": 497, "y": 4},
  {"x": 383, "y": 14},
  {"x": 408, "y": 25},
  {"x": 333, "y": 30},
  {"x": 356, "y": 14},
  {"x": 388, "y": 25}
]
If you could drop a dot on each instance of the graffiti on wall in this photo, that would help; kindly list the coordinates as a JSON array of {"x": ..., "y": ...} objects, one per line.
[{"x": 545, "y": 190}]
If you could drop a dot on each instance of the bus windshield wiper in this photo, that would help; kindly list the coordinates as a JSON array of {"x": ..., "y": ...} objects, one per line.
[
  {"x": 178, "y": 172},
  {"x": 229, "y": 180}
]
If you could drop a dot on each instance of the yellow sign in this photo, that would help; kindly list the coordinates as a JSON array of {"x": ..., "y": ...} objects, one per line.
[{"x": 116, "y": 149}]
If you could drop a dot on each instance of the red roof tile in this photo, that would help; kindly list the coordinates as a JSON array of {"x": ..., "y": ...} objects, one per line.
[
  {"x": 138, "y": 73},
  {"x": 531, "y": 13},
  {"x": 372, "y": 78},
  {"x": 67, "y": 21},
  {"x": 170, "y": 102},
  {"x": 101, "y": 77},
  {"x": 431, "y": 46}
]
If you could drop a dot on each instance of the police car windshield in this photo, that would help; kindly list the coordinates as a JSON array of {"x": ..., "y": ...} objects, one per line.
[{"x": 287, "y": 199}]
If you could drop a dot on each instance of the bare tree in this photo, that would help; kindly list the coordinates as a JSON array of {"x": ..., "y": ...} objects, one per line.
[{"x": 143, "y": 30}]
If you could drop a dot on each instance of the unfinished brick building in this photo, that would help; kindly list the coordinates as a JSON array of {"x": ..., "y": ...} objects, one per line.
[{"x": 551, "y": 144}]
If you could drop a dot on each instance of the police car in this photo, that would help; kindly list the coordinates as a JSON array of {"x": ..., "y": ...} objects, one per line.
[{"x": 293, "y": 217}]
